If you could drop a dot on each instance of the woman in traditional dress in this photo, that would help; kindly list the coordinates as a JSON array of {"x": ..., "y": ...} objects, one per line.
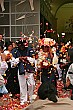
[{"x": 11, "y": 73}]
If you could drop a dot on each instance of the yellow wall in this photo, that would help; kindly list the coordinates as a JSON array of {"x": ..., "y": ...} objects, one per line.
[
  {"x": 63, "y": 15},
  {"x": 46, "y": 12}
]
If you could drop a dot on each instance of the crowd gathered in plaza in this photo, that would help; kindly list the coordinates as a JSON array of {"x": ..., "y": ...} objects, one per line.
[{"x": 22, "y": 66}]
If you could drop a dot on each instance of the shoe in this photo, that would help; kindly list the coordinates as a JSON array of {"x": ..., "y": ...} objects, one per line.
[
  {"x": 34, "y": 97},
  {"x": 52, "y": 98},
  {"x": 1, "y": 94},
  {"x": 72, "y": 97},
  {"x": 22, "y": 103},
  {"x": 31, "y": 101}
]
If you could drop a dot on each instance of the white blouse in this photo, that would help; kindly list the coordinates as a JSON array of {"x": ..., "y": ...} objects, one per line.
[
  {"x": 3, "y": 66},
  {"x": 13, "y": 61},
  {"x": 70, "y": 76}
]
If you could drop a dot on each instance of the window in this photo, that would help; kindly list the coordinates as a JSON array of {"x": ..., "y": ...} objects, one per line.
[{"x": 19, "y": 17}]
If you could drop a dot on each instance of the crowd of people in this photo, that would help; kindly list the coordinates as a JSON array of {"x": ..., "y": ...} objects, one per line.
[
  {"x": 48, "y": 62},
  {"x": 20, "y": 70}
]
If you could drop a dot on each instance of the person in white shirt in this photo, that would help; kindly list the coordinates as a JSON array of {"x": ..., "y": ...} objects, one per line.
[
  {"x": 12, "y": 71},
  {"x": 69, "y": 75},
  {"x": 3, "y": 68}
]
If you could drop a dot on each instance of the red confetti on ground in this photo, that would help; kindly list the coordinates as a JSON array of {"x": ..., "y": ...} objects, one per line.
[
  {"x": 61, "y": 92},
  {"x": 8, "y": 103}
]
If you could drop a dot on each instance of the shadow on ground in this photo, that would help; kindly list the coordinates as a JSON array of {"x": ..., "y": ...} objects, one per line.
[
  {"x": 57, "y": 104},
  {"x": 38, "y": 108}
]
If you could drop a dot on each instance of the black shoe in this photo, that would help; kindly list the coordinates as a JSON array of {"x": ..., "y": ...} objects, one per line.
[
  {"x": 1, "y": 94},
  {"x": 52, "y": 98},
  {"x": 72, "y": 97},
  {"x": 64, "y": 88}
]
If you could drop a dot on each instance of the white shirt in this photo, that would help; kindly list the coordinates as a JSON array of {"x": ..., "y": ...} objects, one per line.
[
  {"x": 70, "y": 76},
  {"x": 3, "y": 66},
  {"x": 13, "y": 61}
]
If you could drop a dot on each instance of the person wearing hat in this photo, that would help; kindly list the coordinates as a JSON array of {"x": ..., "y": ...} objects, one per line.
[{"x": 25, "y": 70}]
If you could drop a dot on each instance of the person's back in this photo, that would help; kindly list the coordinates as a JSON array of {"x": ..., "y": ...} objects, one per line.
[{"x": 47, "y": 90}]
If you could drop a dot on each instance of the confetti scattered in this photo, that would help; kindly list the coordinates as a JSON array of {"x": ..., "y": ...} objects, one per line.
[{"x": 9, "y": 103}]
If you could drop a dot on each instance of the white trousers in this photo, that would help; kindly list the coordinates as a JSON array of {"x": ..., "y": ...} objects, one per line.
[{"x": 25, "y": 80}]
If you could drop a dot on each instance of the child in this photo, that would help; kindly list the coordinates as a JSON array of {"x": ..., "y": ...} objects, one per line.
[{"x": 3, "y": 67}]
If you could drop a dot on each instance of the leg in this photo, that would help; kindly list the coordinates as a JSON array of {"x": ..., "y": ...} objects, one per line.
[
  {"x": 4, "y": 90},
  {"x": 23, "y": 88},
  {"x": 31, "y": 84}
]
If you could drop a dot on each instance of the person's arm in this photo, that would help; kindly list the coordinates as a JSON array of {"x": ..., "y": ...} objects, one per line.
[
  {"x": 14, "y": 62},
  {"x": 50, "y": 52},
  {"x": 3, "y": 56},
  {"x": 68, "y": 82},
  {"x": 4, "y": 65}
]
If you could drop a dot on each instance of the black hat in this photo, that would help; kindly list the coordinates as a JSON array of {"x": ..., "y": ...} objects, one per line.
[
  {"x": 21, "y": 41},
  {"x": 1, "y": 47},
  {"x": 8, "y": 44}
]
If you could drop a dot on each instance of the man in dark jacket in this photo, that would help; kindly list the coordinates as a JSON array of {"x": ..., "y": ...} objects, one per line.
[{"x": 25, "y": 70}]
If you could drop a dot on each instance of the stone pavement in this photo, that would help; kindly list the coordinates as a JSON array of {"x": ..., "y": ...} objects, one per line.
[{"x": 62, "y": 104}]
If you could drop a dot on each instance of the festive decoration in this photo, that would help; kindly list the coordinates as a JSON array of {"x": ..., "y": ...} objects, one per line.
[
  {"x": 63, "y": 49},
  {"x": 9, "y": 55},
  {"x": 46, "y": 42},
  {"x": 67, "y": 44}
]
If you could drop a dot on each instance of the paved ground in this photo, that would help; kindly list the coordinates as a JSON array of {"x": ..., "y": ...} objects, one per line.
[{"x": 62, "y": 104}]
